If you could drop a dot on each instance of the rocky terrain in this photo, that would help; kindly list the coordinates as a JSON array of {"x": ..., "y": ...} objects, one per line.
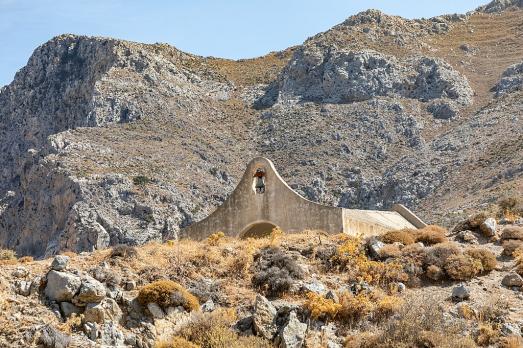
[
  {"x": 106, "y": 141},
  {"x": 407, "y": 288}
]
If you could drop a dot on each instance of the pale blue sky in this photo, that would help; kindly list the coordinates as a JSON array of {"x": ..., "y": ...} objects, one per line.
[{"x": 230, "y": 29}]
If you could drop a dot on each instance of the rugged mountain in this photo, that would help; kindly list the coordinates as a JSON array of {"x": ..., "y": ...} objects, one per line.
[{"x": 106, "y": 141}]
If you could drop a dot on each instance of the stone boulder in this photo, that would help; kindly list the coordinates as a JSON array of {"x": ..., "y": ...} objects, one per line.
[
  {"x": 488, "y": 227},
  {"x": 62, "y": 286},
  {"x": 512, "y": 280},
  {"x": 264, "y": 318},
  {"x": 511, "y": 80},
  {"x": 460, "y": 293},
  {"x": 60, "y": 262},
  {"x": 91, "y": 291},
  {"x": 292, "y": 335},
  {"x": 108, "y": 309}
]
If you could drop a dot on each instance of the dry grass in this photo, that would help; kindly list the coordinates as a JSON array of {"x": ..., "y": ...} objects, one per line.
[
  {"x": 511, "y": 342},
  {"x": 167, "y": 293},
  {"x": 176, "y": 342},
  {"x": 213, "y": 330},
  {"x": 420, "y": 322},
  {"x": 215, "y": 238}
]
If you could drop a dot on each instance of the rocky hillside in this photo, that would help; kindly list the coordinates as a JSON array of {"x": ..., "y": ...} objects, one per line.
[{"x": 104, "y": 141}]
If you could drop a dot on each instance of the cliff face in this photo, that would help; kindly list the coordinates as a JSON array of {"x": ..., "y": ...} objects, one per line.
[{"x": 105, "y": 141}]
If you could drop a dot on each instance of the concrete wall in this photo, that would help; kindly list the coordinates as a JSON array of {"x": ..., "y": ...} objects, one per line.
[{"x": 281, "y": 206}]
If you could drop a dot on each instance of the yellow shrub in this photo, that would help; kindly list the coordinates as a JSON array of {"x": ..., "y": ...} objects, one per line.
[
  {"x": 387, "y": 306},
  {"x": 167, "y": 293},
  {"x": 321, "y": 307},
  {"x": 170, "y": 243},
  {"x": 350, "y": 256},
  {"x": 7, "y": 254},
  {"x": 215, "y": 238},
  {"x": 354, "y": 307},
  {"x": 276, "y": 235}
]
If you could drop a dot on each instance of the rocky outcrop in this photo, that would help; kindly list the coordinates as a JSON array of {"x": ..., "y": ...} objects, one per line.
[
  {"x": 500, "y": 5},
  {"x": 511, "y": 80},
  {"x": 340, "y": 76}
]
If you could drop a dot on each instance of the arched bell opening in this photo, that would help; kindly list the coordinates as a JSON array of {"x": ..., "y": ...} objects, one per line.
[{"x": 257, "y": 230}]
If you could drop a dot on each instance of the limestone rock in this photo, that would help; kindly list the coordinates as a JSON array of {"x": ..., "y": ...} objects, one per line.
[
  {"x": 60, "y": 262},
  {"x": 264, "y": 318},
  {"x": 341, "y": 76},
  {"x": 108, "y": 309},
  {"x": 62, "y": 286},
  {"x": 23, "y": 287},
  {"x": 488, "y": 227},
  {"x": 91, "y": 291},
  {"x": 292, "y": 335},
  {"x": 155, "y": 310},
  {"x": 52, "y": 338}
]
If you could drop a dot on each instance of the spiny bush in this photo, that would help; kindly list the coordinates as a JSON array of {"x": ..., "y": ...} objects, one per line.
[
  {"x": 434, "y": 272},
  {"x": 462, "y": 267},
  {"x": 274, "y": 271},
  {"x": 404, "y": 236},
  {"x": 438, "y": 254},
  {"x": 431, "y": 235},
  {"x": 512, "y": 232},
  {"x": 320, "y": 307},
  {"x": 389, "y": 251},
  {"x": 167, "y": 293},
  {"x": 215, "y": 238},
  {"x": 510, "y": 246},
  {"x": 124, "y": 251},
  {"x": 486, "y": 257},
  {"x": 7, "y": 255},
  {"x": 213, "y": 330}
]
